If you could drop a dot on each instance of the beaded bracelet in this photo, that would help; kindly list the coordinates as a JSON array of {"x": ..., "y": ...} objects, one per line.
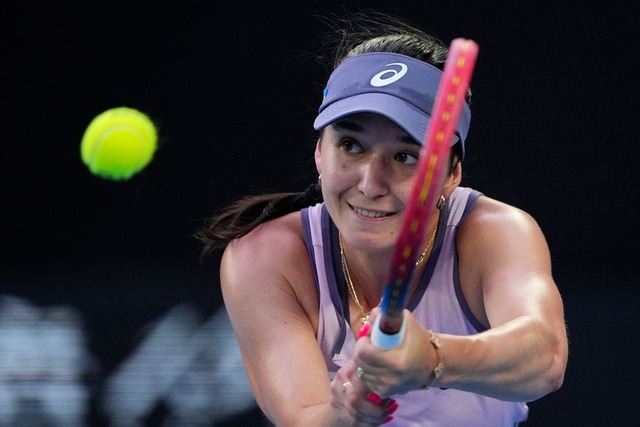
[{"x": 439, "y": 368}]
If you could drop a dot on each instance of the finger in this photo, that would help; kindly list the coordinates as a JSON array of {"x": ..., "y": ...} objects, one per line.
[
  {"x": 365, "y": 330},
  {"x": 360, "y": 372},
  {"x": 372, "y": 409},
  {"x": 369, "y": 380},
  {"x": 364, "y": 406}
]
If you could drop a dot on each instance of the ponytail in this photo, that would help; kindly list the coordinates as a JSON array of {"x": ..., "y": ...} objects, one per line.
[{"x": 244, "y": 215}]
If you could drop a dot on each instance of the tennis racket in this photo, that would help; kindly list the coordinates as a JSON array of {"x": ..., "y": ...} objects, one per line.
[{"x": 432, "y": 169}]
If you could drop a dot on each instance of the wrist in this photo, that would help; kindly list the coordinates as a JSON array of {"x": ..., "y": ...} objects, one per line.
[{"x": 438, "y": 369}]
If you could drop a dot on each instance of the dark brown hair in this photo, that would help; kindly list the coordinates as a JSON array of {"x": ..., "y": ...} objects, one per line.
[{"x": 349, "y": 35}]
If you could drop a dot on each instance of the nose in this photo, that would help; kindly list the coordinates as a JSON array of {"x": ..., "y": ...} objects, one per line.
[{"x": 374, "y": 177}]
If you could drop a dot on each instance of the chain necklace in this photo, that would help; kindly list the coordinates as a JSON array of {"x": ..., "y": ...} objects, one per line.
[
  {"x": 364, "y": 316},
  {"x": 433, "y": 235}
]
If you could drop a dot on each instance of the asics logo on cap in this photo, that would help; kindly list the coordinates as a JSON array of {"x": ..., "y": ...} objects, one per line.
[{"x": 390, "y": 75}]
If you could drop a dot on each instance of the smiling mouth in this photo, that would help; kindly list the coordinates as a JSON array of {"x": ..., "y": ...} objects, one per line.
[{"x": 368, "y": 213}]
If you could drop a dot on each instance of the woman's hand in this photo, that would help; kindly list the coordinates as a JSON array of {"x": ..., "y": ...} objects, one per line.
[
  {"x": 359, "y": 406},
  {"x": 407, "y": 367}
]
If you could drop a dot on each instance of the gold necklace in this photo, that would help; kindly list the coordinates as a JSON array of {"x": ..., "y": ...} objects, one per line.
[
  {"x": 364, "y": 316},
  {"x": 352, "y": 291},
  {"x": 433, "y": 235}
]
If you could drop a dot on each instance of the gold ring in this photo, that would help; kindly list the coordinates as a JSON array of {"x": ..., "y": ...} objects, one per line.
[
  {"x": 346, "y": 385},
  {"x": 359, "y": 372}
]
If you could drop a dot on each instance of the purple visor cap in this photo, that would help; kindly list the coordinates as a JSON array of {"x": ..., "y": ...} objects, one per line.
[{"x": 396, "y": 86}]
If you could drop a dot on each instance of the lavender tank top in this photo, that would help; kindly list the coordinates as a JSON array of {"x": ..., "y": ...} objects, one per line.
[{"x": 438, "y": 304}]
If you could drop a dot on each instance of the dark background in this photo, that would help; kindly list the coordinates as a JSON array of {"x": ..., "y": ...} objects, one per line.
[{"x": 233, "y": 89}]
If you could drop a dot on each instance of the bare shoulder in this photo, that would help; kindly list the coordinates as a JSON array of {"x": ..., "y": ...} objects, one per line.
[
  {"x": 502, "y": 248},
  {"x": 270, "y": 263},
  {"x": 495, "y": 227},
  {"x": 274, "y": 246},
  {"x": 282, "y": 231},
  {"x": 494, "y": 221}
]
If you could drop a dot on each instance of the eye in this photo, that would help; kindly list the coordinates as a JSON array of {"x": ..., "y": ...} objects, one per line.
[
  {"x": 350, "y": 145},
  {"x": 407, "y": 157}
]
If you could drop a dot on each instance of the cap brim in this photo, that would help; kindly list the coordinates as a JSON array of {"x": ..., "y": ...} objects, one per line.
[{"x": 407, "y": 116}]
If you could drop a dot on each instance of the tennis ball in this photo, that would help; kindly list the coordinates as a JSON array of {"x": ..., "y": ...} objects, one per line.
[{"x": 119, "y": 143}]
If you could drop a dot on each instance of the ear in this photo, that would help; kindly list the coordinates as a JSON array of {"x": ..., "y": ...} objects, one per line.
[
  {"x": 318, "y": 157},
  {"x": 453, "y": 180}
]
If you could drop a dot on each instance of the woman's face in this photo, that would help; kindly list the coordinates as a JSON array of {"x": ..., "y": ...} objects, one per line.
[{"x": 368, "y": 165}]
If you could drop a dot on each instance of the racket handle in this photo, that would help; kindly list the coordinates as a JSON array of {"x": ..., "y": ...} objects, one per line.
[{"x": 387, "y": 341}]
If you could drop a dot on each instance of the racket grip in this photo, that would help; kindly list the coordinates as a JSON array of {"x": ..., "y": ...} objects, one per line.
[{"x": 387, "y": 341}]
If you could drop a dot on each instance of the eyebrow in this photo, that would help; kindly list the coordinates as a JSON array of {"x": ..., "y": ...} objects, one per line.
[
  {"x": 349, "y": 125},
  {"x": 345, "y": 124}
]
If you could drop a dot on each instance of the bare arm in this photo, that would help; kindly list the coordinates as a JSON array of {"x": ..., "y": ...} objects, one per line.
[
  {"x": 506, "y": 277},
  {"x": 270, "y": 294},
  {"x": 523, "y": 356}
]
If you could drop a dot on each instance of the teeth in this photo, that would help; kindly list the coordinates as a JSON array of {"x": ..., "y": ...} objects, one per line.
[{"x": 369, "y": 214}]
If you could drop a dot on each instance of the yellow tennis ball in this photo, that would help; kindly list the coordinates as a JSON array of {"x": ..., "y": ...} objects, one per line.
[{"x": 119, "y": 143}]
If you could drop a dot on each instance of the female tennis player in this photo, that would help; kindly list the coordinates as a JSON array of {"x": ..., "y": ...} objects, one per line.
[{"x": 303, "y": 274}]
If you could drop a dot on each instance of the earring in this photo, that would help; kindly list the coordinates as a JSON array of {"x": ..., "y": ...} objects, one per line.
[{"x": 441, "y": 202}]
